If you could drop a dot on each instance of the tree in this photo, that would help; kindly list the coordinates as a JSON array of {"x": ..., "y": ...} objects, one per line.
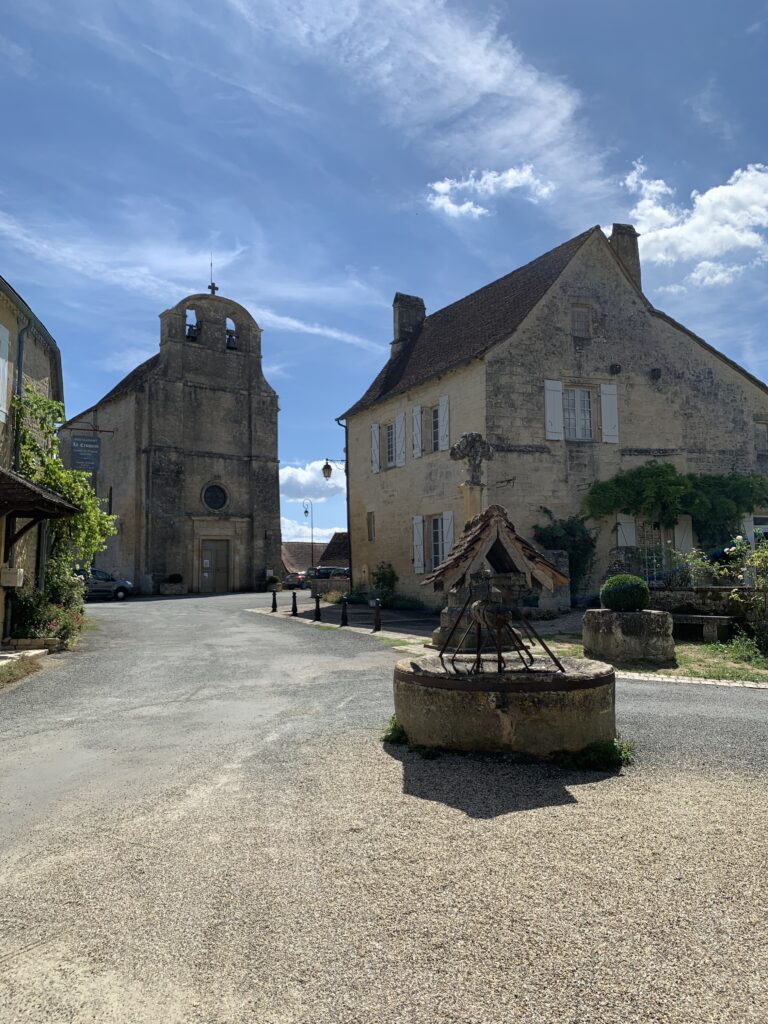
[{"x": 75, "y": 539}]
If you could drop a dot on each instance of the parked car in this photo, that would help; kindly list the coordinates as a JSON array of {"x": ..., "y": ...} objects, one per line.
[
  {"x": 332, "y": 572},
  {"x": 294, "y": 581},
  {"x": 103, "y": 584}
]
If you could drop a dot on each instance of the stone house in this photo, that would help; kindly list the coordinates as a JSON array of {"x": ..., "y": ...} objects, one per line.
[
  {"x": 566, "y": 368},
  {"x": 29, "y": 358},
  {"x": 188, "y": 455}
]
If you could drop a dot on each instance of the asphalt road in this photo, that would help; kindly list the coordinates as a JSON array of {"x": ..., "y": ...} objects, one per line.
[{"x": 119, "y": 760}]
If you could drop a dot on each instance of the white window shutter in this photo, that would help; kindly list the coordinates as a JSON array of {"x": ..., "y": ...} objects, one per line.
[
  {"x": 626, "y": 534},
  {"x": 447, "y": 533},
  {"x": 400, "y": 439},
  {"x": 609, "y": 413},
  {"x": 375, "y": 440},
  {"x": 553, "y": 409},
  {"x": 443, "y": 424},
  {"x": 418, "y": 545},
  {"x": 4, "y": 347},
  {"x": 416, "y": 414},
  {"x": 683, "y": 534}
]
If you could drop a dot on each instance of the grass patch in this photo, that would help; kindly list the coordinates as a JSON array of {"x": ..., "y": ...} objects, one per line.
[
  {"x": 722, "y": 662},
  {"x": 19, "y": 668},
  {"x": 394, "y": 641},
  {"x": 600, "y": 757},
  {"x": 332, "y": 597},
  {"x": 394, "y": 733}
]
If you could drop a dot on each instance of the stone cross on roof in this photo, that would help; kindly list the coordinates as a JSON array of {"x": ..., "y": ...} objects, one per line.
[{"x": 474, "y": 448}]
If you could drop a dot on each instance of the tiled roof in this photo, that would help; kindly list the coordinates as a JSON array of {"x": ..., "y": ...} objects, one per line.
[
  {"x": 337, "y": 551},
  {"x": 297, "y": 554},
  {"x": 472, "y": 325}
]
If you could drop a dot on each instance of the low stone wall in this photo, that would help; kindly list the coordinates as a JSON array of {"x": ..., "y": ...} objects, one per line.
[
  {"x": 702, "y": 600},
  {"x": 619, "y": 637},
  {"x": 520, "y": 713},
  {"x": 173, "y": 589},
  {"x": 327, "y": 586}
]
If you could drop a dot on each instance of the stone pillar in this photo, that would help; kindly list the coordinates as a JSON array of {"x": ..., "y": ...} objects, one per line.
[{"x": 473, "y": 499}]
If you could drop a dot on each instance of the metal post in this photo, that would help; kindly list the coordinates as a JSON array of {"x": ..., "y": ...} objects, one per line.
[
  {"x": 344, "y": 620},
  {"x": 376, "y": 615},
  {"x": 294, "y": 606},
  {"x": 274, "y": 601},
  {"x": 317, "y": 616}
]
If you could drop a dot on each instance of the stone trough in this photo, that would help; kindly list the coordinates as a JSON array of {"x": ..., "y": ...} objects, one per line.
[{"x": 516, "y": 712}]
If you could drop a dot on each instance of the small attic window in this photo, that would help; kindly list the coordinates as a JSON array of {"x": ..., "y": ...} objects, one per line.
[
  {"x": 581, "y": 326},
  {"x": 231, "y": 334},
  {"x": 192, "y": 325}
]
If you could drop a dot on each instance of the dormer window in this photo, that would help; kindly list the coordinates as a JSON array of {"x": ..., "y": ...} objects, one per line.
[
  {"x": 231, "y": 334},
  {"x": 193, "y": 328}
]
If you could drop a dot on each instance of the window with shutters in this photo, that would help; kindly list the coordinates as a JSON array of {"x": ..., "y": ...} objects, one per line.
[
  {"x": 434, "y": 546},
  {"x": 371, "y": 522},
  {"x": 577, "y": 414},
  {"x": 390, "y": 450},
  {"x": 581, "y": 321},
  {"x": 431, "y": 429}
]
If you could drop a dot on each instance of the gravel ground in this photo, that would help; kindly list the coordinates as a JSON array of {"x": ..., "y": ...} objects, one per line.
[{"x": 311, "y": 875}]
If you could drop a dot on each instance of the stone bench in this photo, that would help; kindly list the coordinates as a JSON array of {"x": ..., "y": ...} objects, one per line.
[{"x": 714, "y": 628}]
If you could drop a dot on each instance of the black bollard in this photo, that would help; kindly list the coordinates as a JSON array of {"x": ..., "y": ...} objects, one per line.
[
  {"x": 318, "y": 616},
  {"x": 344, "y": 620},
  {"x": 294, "y": 606},
  {"x": 274, "y": 600},
  {"x": 376, "y": 615}
]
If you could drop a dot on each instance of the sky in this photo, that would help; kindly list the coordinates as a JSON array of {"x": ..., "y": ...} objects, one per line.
[{"x": 332, "y": 152}]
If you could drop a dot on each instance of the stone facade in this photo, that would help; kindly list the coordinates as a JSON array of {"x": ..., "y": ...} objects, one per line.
[
  {"x": 189, "y": 455},
  {"x": 26, "y": 346},
  {"x": 571, "y": 375}
]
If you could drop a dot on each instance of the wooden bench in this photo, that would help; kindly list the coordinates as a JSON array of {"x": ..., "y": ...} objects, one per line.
[{"x": 713, "y": 627}]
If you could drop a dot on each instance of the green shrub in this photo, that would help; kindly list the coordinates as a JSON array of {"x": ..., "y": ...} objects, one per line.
[
  {"x": 571, "y": 535},
  {"x": 332, "y": 597},
  {"x": 606, "y": 756},
  {"x": 743, "y": 648},
  {"x": 394, "y": 733},
  {"x": 384, "y": 580},
  {"x": 625, "y": 593}
]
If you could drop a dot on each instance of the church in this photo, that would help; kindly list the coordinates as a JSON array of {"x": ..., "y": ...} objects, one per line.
[{"x": 184, "y": 451}]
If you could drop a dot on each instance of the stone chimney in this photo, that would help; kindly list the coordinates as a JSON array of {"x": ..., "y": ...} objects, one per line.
[
  {"x": 408, "y": 315},
  {"x": 624, "y": 241}
]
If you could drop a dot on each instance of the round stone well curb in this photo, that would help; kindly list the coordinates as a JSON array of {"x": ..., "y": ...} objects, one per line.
[
  {"x": 628, "y": 636},
  {"x": 536, "y": 713}
]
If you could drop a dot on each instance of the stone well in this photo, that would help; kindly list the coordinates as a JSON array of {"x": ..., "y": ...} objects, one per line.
[
  {"x": 524, "y": 713},
  {"x": 628, "y": 636}
]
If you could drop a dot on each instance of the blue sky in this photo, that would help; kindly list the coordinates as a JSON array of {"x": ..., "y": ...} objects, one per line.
[{"x": 332, "y": 153}]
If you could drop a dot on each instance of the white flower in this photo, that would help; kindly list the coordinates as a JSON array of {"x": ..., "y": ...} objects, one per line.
[{"x": 739, "y": 537}]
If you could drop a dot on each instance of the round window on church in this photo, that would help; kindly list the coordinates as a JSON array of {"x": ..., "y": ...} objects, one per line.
[{"x": 214, "y": 497}]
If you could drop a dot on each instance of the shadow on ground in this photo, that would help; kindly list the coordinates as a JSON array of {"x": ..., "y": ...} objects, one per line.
[{"x": 483, "y": 786}]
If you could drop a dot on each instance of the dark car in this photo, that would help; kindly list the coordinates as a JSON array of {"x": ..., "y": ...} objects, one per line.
[
  {"x": 294, "y": 581},
  {"x": 103, "y": 584}
]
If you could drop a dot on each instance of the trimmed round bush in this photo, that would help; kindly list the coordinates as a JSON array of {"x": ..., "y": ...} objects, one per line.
[{"x": 625, "y": 593}]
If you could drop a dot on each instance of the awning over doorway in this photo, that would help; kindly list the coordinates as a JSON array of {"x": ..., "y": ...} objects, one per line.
[{"x": 29, "y": 501}]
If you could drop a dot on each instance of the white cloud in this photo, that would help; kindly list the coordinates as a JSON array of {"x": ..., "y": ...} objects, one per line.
[
  {"x": 293, "y": 530},
  {"x": 487, "y": 184},
  {"x": 307, "y": 481},
  {"x": 709, "y": 272},
  {"x": 16, "y": 58},
  {"x": 125, "y": 359},
  {"x": 727, "y": 219}
]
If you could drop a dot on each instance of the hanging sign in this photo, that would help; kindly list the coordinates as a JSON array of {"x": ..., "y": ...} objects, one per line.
[{"x": 86, "y": 452}]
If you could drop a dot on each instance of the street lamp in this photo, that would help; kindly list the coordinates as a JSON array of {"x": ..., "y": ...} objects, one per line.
[
  {"x": 327, "y": 469},
  {"x": 309, "y": 511}
]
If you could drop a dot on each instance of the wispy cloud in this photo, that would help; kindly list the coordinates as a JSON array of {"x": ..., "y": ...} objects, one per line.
[
  {"x": 727, "y": 220},
  {"x": 268, "y": 318},
  {"x": 486, "y": 185},
  {"x": 165, "y": 269},
  {"x": 708, "y": 109},
  {"x": 16, "y": 58},
  {"x": 125, "y": 359},
  {"x": 446, "y": 78}
]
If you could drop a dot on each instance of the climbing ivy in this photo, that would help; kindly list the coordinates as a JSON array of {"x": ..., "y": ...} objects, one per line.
[
  {"x": 75, "y": 539},
  {"x": 571, "y": 535},
  {"x": 658, "y": 491}
]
